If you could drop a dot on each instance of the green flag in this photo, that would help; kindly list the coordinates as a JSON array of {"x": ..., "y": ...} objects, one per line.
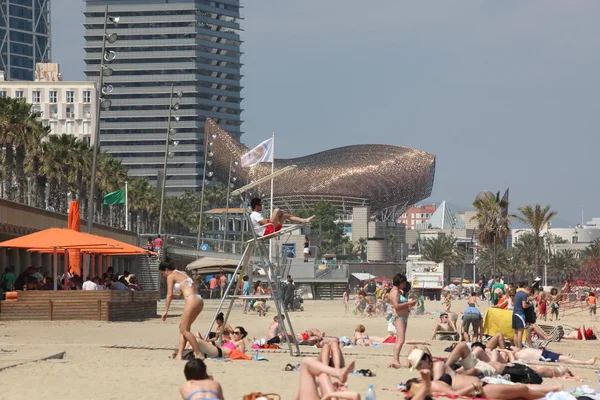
[{"x": 117, "y": 197}]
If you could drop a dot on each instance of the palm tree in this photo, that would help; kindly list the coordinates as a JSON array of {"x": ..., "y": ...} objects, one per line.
[
  {"x": 493, "y": 221},
  {"x": 442, "y": 249},
  {"x": 361, "y": 248},
  {"x": 537, "y": 218},
  {"x": 563, "y": 263}
]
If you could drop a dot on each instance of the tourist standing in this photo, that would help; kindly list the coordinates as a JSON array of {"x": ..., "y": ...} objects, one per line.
[
  {"x": 212, "y": 284},
  {"x": 521, "y": 304},
  {"x": 223, "y": 284},
  {"x": 400, "y": 309},
  {"x": 306, "y": 248},
  {"x": 158, "y": 244}
]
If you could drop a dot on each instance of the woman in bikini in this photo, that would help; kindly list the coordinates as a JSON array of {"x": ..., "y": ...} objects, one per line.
[
  {"x": 199, "y": 384},
  {"x": 400, "y": 309},
  {"x": 361, "y": 339},
  {"x": 259, "y": 304},
  {"x": 181, "y": 285},
  {"x": 210, "y": 350}
]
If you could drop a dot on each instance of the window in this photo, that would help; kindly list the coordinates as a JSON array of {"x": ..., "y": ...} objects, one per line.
[
  {"x": 87, "y": 96},
  {"x": 19, "y": 94},
  {"x": 70, "y": 111},
  {"x": 70, "y": 96},
  {"x": 70, "y": 127},
  {"x": 36, "y": 96},
  {"x": 2, "y": 93},
  {"x": 53, "y": 96},
  {"x": 87, "y": 140}
]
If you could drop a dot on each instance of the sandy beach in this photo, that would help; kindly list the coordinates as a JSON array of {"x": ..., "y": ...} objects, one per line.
[{"x": 91, "y": 370}]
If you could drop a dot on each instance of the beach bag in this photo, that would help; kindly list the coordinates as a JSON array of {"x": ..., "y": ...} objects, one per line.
[
  {"x": 262, "y": 396},
  {"x": 521, "y": 373}
]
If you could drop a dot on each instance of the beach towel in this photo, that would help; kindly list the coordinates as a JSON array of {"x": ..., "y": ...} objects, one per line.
[
  {"x": 262, "y": 396},
  {"x": 238, "y": 355},
  {"x": 497, "y": 320}
]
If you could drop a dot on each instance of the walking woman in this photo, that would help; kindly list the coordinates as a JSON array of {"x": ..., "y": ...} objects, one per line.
[
  {"x": 181, "y": 285},
  {"x": 306, "y": 248},
  {"x": 400, "y": 309}
]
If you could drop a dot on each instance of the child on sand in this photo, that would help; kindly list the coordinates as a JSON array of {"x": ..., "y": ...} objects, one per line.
[
  {"x": 554, "y": 298},
  {"x": 346, "y": 298},
  {"x": 446, "y": 301},
  {"x": 542, "y": 306},
  {"x": 591, "y": 301}
]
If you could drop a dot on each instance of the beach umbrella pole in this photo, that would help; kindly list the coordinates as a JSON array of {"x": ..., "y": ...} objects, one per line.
[{"x": 55, "y": 269}]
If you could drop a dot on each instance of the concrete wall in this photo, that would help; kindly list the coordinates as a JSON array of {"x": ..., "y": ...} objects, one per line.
[{"x": 360, "y": 223}]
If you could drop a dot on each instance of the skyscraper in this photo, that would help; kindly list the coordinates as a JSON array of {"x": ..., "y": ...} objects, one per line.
[
  {"x": 194, "y": 44},
  {"x": 24, "y": 37}
]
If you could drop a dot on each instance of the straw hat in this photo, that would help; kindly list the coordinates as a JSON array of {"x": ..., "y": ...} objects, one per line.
[{"x": 415, "y": 357}]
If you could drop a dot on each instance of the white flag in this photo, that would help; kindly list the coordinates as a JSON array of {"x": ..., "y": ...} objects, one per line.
[{"x": 261, "y": 153}]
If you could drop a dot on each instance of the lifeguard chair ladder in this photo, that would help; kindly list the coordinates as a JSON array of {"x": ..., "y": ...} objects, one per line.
[{"x": 260, "y": 244}]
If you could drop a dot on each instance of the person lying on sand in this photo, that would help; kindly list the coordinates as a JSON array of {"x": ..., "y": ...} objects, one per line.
[
  {"x": 331, "y": 355},
  {"x": 582, "y": 333},
  {"x": 526, "y": 354},
  {"x": 360, "y": 338},
  {"x": 199, "y": 384},
  {"x": 422, "y": 388},
  {"x": 316, "y": 383},
  {"x": 210, "y": 350}
]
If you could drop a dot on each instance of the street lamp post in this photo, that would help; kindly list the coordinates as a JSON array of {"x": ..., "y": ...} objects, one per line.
[
  {"x": 168, "y": 143},
  {"x": 105, "y": 56},
  {"x": 207, "y": 154}
]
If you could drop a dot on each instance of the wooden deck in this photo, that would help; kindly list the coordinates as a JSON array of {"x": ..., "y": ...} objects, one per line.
[{"x": 97, "y": 305}]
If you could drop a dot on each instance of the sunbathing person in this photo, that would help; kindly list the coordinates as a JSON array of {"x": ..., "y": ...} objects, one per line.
[
  {"x": 360, "y": 338},
  {"x": 311, "y": 336},
  {"x": 471, "y": 386},
  {"x": 316, "y": 384},
  {"x": 199, "y": 384},
  {"x": 526, "y": 354},
  {"x": 582, "y": 333},
  {"x": 264, "y": 227},
  {"x": 445, "y": 326},
  {"x": 210, "y": 350},
  {"x": 331, "y": 355}
]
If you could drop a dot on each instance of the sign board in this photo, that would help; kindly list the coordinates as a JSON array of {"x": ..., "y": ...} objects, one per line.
[{"x": 425, "y": 274}]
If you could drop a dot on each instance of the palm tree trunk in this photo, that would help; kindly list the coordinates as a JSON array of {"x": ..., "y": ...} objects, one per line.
[
  {"x": 39, "y": 184},
  {"x": 54, "y": 193},
  {"x": 8, "y": 172},
  {"x": 20, "y": 173}
]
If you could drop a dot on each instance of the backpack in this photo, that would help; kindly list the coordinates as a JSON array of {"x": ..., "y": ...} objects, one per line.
[{"x": 521, "y": 373}]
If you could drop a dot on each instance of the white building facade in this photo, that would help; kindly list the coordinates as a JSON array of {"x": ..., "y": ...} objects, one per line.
[{"x": 66, "y": 107}]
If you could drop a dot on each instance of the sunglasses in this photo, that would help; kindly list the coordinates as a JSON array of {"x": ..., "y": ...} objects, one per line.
[{"x": 237, "y": 333}]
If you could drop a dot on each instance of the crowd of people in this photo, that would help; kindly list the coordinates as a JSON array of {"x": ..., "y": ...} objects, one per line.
[{"x": 33, "y": 279}]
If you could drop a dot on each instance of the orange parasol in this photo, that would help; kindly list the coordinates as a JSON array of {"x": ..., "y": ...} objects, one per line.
[
  {"x": 74, "y": 224},
  {"x": 57, "y": 239}
]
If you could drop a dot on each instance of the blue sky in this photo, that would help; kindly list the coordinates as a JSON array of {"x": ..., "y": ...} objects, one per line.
[{"x": 504, "y": 93}]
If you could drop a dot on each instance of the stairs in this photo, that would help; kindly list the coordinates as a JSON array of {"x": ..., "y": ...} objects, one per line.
[
  {"x": 146, "y": 270},
  {"x": 329, "y": 291}
]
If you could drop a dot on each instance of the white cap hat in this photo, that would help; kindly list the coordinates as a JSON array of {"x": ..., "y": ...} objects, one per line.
[{"x": 538, "y": 279}]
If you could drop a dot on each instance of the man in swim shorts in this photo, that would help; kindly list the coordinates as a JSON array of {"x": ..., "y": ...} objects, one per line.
[{"x": 263, "y": 227}]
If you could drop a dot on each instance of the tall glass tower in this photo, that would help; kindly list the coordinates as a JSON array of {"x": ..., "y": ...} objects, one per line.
[
  {"x": 24, "y": 37},
  {"x": 194, "y": 44}
]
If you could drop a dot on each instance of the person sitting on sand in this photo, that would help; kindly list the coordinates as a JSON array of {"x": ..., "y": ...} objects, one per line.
[
  {"x": 582, "y": 333},
  {"x": 315, "y": 381},
  {"x": 445, "y": 325},
  {"x": 275, "y": 332},
  {"x": 264, "y": 227},
  {"x": 199, "y": 384},
  {"x": 360, "y": 338},
  {"x": 210, "y": 350}
]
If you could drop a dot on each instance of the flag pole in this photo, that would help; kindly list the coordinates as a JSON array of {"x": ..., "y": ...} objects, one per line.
[
  {"x": 271, "y": 214},
  {"x": 126, "y": 209}
]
